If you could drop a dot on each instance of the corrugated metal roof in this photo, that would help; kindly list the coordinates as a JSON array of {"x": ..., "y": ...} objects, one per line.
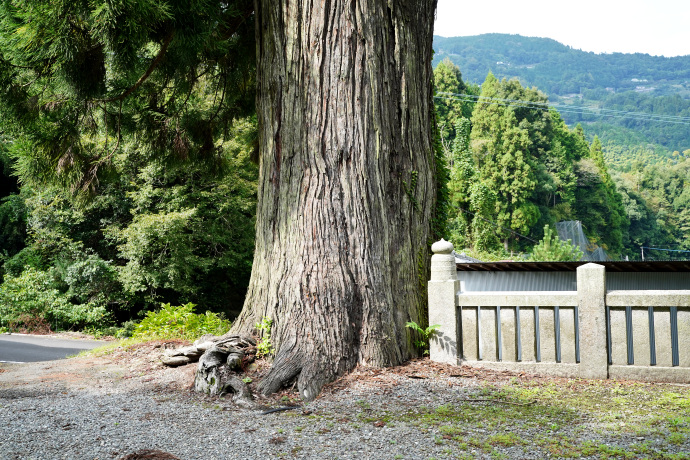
[
  {"x": 462, "y": 258},
  {"x": 611, "y": 266}
]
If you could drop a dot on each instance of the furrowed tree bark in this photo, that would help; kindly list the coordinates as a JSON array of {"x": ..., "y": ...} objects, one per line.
[{"x": 346, "y": 187}]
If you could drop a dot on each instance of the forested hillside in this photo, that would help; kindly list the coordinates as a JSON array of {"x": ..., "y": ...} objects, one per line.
[
  {"x": 631, "y": 99},
  {"x": 558, "y": 69},
  {"x": 517, "y": 169}
]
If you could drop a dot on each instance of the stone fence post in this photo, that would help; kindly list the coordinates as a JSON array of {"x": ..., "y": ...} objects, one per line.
[
  {"x": 591, "y": 301},
  {"x": 443, "y": 288}
]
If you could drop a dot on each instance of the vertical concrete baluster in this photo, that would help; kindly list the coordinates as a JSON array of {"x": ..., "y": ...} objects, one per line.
[{"x": 518, "y": 338}]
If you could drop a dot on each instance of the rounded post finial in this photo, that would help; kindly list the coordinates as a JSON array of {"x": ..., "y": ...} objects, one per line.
[{"x": 442, "y": 247}]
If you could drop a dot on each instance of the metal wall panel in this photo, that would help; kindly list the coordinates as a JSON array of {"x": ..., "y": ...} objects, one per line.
[
  {"x": 483, "y": 281},
  {"x": 517, "y": 281},
  {"x": 625, "y": 281}
]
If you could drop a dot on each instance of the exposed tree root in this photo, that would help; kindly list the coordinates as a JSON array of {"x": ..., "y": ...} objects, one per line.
[{"x": 310, "y": 369}]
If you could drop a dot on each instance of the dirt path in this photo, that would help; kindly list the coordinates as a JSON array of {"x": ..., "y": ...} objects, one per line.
[{"x": 135, "y": 368}]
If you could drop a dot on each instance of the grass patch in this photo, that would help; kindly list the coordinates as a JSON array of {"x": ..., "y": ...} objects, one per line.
[
  {"x": 505, "y": 440},
  {"x": 565, "y": 413}
]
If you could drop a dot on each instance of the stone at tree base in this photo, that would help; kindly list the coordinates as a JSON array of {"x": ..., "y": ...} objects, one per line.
[
  {"x": 236, "y": 341},
  {"x": 209, "y": 380},
  {"x": 174, "y": 361},
  {"x": 234, "y": 359},
  {"x": 242, "y": 396},
  {"x": 203, "y": 346},
  {"x": 218, "y": 357},
  {"x": 220, "y": 380},
  {"x": 149, "y": 454},
  {"x": 205, "y": 342},
  {"x": 191, "y": 352}
]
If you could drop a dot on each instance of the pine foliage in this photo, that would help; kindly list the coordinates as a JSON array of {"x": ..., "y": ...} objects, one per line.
[
  {"x": 83, "y": 80},
  {"x": 553, "y": 249}
]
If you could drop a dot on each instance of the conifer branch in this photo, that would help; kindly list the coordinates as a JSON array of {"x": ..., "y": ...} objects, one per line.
[{"x": 149, "y": 71}]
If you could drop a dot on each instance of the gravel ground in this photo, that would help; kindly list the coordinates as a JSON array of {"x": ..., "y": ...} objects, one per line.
[{"x": 109, "y": 407}]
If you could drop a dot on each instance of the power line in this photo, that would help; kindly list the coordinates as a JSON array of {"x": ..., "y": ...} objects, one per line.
[
  {"x": 546, "y": 106},
  {"x": 640, "y": 116},
  {"x": 667, "y": 250}
]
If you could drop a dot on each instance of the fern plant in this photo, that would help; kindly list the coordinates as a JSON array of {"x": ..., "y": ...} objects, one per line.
[
  {"x": 425, "y": 334},
  {"x": 264, "y": 346}
]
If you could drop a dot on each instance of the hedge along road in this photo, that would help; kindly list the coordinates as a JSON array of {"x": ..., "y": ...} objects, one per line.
[{"x": 21, "y": 348}]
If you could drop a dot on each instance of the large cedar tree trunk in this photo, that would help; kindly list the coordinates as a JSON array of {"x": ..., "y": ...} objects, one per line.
[{"x": 347, "y": 184}]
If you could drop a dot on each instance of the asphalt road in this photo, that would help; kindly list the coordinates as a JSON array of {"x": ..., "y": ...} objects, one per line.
[{"x": 19, "y": 348}]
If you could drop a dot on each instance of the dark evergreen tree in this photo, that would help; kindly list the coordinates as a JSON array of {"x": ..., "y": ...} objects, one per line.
[
  {"x": 85, "y": 82},
  {"x": 508, "y": 142},
  {"x": 472, "y": 201},
  {"x": 450, "y": 100},
  {"x": 598, "y": 204}
]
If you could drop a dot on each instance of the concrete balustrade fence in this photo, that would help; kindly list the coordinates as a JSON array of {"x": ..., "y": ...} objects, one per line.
[{"x": 588, "y": 333}]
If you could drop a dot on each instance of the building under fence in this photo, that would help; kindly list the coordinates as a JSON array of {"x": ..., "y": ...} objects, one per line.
[{"x": 573, "y": 319}]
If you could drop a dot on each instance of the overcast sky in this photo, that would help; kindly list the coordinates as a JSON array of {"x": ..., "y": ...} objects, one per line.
[{"x": 657, "y": 27}]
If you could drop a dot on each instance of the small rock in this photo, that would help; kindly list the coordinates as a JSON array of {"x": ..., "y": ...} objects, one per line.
[
  {"x": 203, "y": 346},
  {"x": 170, "y": 352},
  {"x": 174, "y": 361},
  {"x": 149, "y": 454},
  {"x": 234, "y": 360},
  {"x": 191, "y": 352}
]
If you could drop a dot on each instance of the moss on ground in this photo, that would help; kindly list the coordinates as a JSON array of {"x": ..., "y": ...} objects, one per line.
[{"x": 557, "y": 418}]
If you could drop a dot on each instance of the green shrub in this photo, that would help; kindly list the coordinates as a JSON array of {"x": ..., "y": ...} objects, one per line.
[
  {"x": 127, "y": 330},
  {"x": 180, "y": 322},
  {"x": 27, "y": 257},
  {"x": 33, "y": 298},
  {"x": 89, "y": 277}
]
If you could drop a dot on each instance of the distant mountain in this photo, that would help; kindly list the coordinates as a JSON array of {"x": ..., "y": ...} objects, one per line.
[
  {"x": 560, "y": 70},
  {"x": 626, "y": 83}
]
